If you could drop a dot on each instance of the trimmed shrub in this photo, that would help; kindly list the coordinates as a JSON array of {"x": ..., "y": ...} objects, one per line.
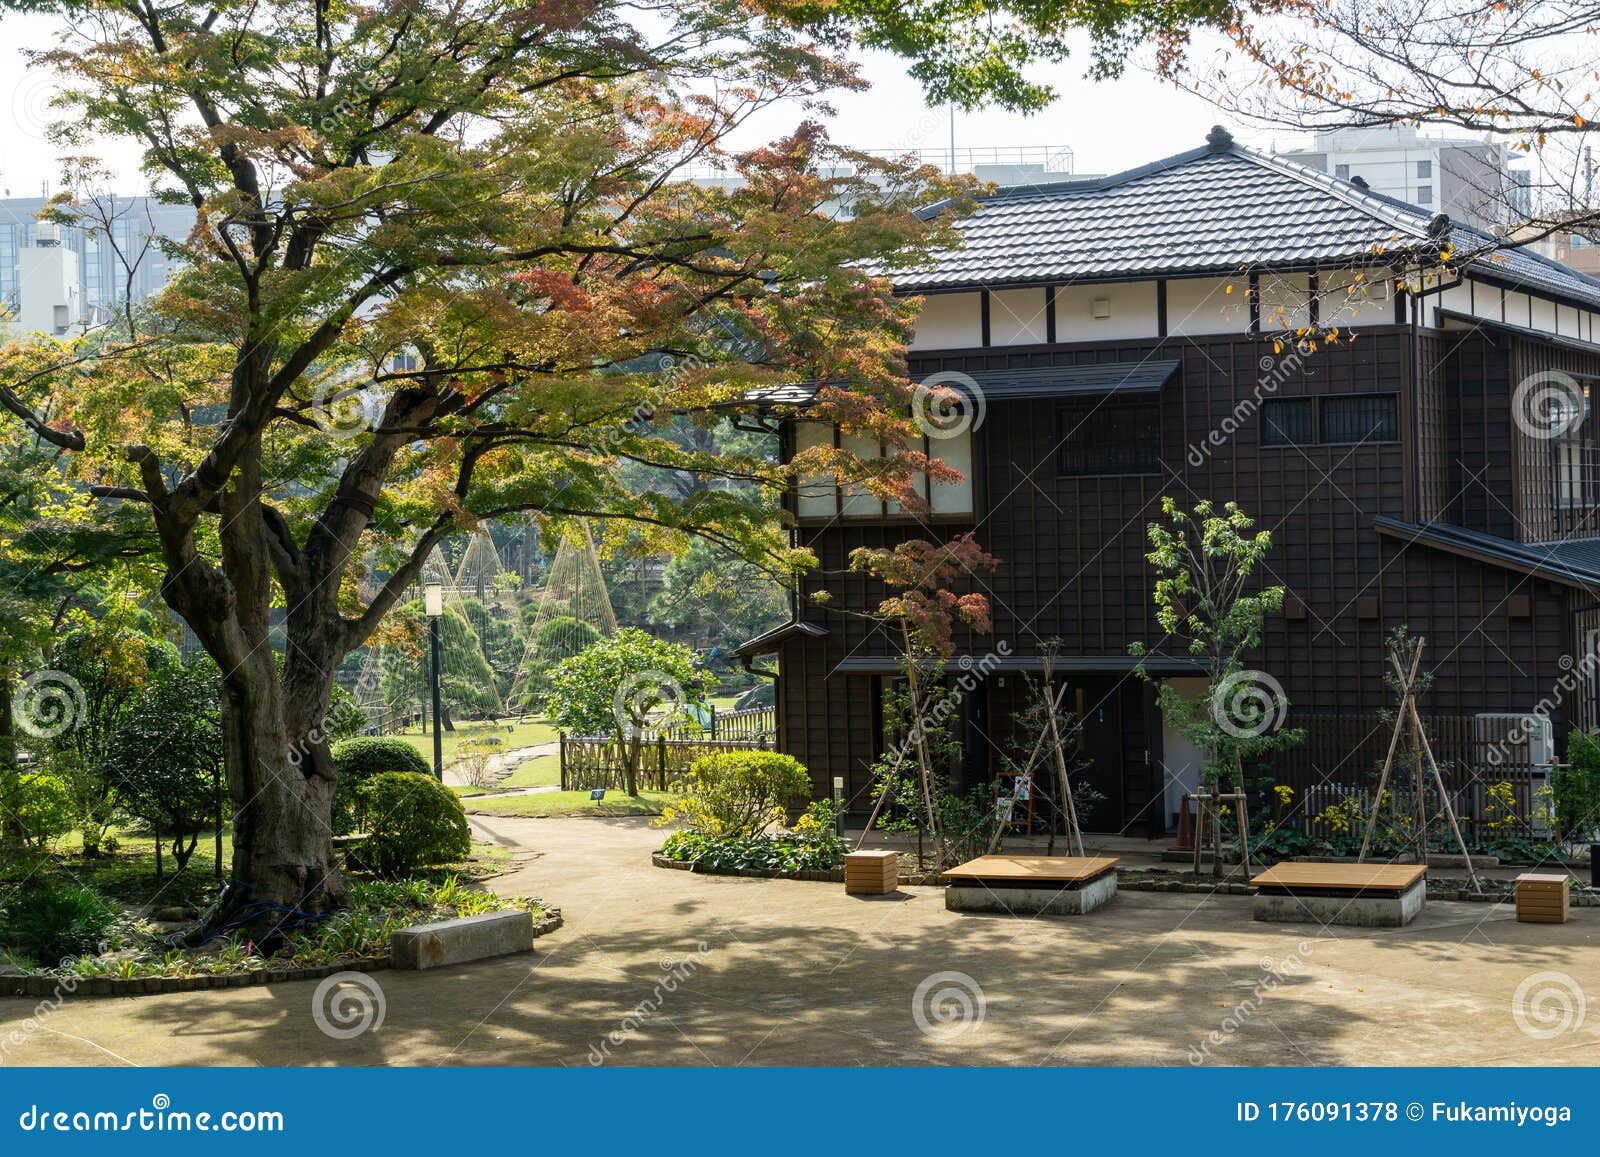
[
  {"x": 813, "y": 846},
  {"x": 358, "y": 760},
  {"x": 39, "y": 808},
  {"x": 738, "y": 793},
  {"x": 414, "y": 820},
  {"x": 767, "y": 853},
  {"x": 50, "y": 921}
]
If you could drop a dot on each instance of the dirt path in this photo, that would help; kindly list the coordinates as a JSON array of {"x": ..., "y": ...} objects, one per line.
[{"x": 685, "y": 969}]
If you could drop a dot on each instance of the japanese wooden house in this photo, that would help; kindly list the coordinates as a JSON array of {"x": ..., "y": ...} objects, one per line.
[{"x": 1135, "y": 336}]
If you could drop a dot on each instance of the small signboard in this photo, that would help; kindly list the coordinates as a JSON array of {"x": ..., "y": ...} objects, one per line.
[{"x": 598, "y": 793}]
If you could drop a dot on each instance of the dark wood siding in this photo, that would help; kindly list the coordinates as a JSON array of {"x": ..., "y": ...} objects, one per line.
[{"x": 1072, "y": 547}]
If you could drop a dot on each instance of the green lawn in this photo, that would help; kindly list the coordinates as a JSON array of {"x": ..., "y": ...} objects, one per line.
[
  {"x": 541, "y": 771},
  {"x": 569, "y": 803},
  {"x": 513, "y": 733}
]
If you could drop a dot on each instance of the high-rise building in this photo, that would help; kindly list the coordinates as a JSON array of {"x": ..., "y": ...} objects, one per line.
[
  {"x": 59, "y": 279},
  {"x": 1470, "y": 180}
]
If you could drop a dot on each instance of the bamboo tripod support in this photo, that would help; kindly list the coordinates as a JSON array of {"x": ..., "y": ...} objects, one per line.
[
  {"x": 1210, "y": 803},
  {"x": 1409, "y": 717},
  {"x": 1052, "y": 732}
]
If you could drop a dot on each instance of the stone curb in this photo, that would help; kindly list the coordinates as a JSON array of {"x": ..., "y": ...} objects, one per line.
[{"x": 57, "y": 986}]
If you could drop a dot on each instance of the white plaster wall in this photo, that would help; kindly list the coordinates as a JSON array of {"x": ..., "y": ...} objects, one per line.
[
  {"x": 1519, "y": 308},
  {"x": 1197, "y": 305},
  {"x": 953, "y": 497},
  {"x": 1285, "y": 301},
  {"x": 1351, "y": 300},
  {"x": 815, "y": 490},
  {"x": 949, "y": 321},
  {"x": 1486, "y": 301},
  {"x": 1132, "y": 306},
  {"x": 1457, "y": 298},
  {"x": 1017, "y": 317},
  {"x": 1181, "y": 760},
  {"x": 1544, "y": 315},
  {"x": 858, "y": 501}
]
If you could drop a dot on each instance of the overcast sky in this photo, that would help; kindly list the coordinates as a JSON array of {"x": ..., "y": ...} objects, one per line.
[{"x": 1109, "y": 126}]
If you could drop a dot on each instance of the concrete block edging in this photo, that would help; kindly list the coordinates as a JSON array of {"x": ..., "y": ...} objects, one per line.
[{"x": 60, "y": 986}]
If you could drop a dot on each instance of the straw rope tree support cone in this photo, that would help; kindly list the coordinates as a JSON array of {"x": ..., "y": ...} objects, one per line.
[{"x": 1408, "y": 719}]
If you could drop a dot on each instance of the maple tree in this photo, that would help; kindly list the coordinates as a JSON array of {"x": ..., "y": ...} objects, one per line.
[
  {"x": 444, "y": 269},
  {"x": 924, "y": 611}
]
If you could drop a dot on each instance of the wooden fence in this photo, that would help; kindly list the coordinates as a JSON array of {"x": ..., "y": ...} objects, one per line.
[
  {"x": 1342, "y": 756},
  {"x": 588, "y": 763},
  {"x": 752, "y": 725}
]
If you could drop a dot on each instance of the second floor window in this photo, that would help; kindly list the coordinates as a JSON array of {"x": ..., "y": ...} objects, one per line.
[
  {"x": 1109, "y": 437},
  {"x": 820, "y": 498},
  {"x": 1289, "y": 422},
  {"x": 1340, "y": 420},
  {"x": 1574, "y": 459},
  {"x": 1371, "y": 418}
]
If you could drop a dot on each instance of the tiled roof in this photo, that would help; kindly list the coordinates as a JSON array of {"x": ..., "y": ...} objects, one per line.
[
  {"x": 1141, "y": 377},
  {"x": 1058, "y": 381},
  {"x": 1455, "y": 319},
  {"x": 1061, "y": 664},
  {"x": 768, "y": 642},
  {"x": 1219, "y": 210},
  {"x": 1571, "y": 562}
]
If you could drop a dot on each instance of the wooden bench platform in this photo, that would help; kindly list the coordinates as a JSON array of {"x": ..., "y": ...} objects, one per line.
[
  {"x": 1064, "y": 885},
  {"x": 1362, "y": 895}
]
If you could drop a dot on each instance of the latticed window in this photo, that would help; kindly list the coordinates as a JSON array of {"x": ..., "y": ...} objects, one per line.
[
  {"x": 1574, "y": 458},
  {"x": 1372, "y": 418},
  {"x": 1288, "y": 422}
]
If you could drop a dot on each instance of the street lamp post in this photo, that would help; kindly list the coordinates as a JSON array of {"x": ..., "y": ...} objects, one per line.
[{"x": 433, "y": 605}]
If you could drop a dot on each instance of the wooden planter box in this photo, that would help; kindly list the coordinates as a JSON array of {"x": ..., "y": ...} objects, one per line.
[
  {"x": 1543, "y": 898},
  {"x": 871, "y": 873}
]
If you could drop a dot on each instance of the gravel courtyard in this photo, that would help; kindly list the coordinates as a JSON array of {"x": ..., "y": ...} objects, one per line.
[{"x": 659, "y": 967}]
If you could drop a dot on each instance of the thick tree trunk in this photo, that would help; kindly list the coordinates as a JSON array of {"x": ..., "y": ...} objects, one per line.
[{"x": 281, "y": 782}]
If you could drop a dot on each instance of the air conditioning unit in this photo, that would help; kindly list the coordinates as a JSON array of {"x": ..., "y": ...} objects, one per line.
[{"x": 1512, "y": 733}]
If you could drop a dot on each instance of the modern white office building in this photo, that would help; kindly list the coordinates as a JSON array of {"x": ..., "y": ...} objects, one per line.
[
  {"x": 60, "y": 279},
  {"x": 1470, "y": 180}
]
